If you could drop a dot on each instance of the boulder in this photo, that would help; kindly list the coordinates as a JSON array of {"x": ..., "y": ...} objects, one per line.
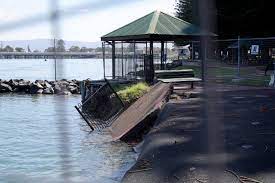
[
  {"x": 13, "y": 83},
  {"x": 41, "y": 82},
  {"x": 15, "y": 90},
  {"x": 48, "y": 91},
  {"x": 40, "y": 91},
  {"x": 63, "y": 82},
  {"x": 73, "y": 84},
  {"x": 47, "y": 85},
  {"x": 5, "y": 82},
  {"x": 57, "y": 89},
  {"x": 35, "y": 87},
  {"x": 73, "y": 89},
  {"x": 76, "y": 82},
  {"x": 5, "y": 88},
  {"x": 23, "y": 86},
  {"x": 65, "y": 92}
]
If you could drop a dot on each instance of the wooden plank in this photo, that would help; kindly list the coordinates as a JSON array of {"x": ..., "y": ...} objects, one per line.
[{"x": 139, "y": 110}]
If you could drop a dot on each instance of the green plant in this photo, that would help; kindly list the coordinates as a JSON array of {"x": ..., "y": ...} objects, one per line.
[{"x": 132, "y": 93}]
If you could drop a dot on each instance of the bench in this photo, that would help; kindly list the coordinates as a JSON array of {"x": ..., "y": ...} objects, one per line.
[
  {"x": 177, "y": 76},
  {"x": 181, "y": 80},
  {"x": 166, "y": 74}
]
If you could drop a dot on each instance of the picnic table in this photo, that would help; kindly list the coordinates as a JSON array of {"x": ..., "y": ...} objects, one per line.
[
  {"x": 177, "y": 76},
  {"x": 181, "y": 80},
  {"x": 182, "y": 73}
]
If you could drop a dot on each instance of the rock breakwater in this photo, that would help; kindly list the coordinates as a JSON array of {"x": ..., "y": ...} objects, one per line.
[{"x": 61, "y": 87}]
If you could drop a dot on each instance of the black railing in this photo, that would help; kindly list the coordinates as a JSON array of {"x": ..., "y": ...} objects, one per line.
[{"x": 101, "y": 108}]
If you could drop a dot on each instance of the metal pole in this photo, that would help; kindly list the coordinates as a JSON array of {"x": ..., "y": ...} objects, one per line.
[
  {"x": 103, "y": 52},
  {"x": 135, "y": 64},
  {"x": 192, "y": 52},
  {"x": 274, "y": 74},
  {"x": 203, "y": 59},
  {"x": 113, "y": 59},
  {"x": 122, "y": 65},
  {"x": 152, "y": 71},
  {"x": 166, "y": 54},
  {"x": 162, "y": 56},
  {"x": 54, "y": 47},
  {"x": 146, "y": 48},
  {"x": 239, "y": 57}
]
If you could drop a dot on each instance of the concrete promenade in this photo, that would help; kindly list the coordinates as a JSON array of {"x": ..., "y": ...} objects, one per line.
[{"x": 225, "y": 136}]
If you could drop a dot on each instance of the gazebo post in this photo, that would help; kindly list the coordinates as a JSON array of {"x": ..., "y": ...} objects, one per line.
[
  {"x": 135, "y": 61},
  {"x": 166, "y": 53},
  {"x": 113, "y": 59},
  {"x": 192, "y": 51},
  {"x": 146, "y": 49},
  {"x": 122, "y": 59},
  {"x": 152, "y": 70},
  {"x": 162, "y": 56},
  {"x": 103, "y": 52},
  {"x": 203, "y": 58}
]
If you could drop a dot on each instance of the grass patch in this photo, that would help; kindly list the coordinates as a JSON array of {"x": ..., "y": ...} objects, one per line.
[
  {"x": 215, "y": 71},
  {"x": 224, "y": 75},
  {"x": 196, "y": 69},
  {"x": 252, "y": 82},
  {"x": 129, "y": 94},
  {"x": 119, "y": 87}
]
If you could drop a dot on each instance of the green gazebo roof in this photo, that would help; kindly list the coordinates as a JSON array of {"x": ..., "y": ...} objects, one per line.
[{"x": 156, "y": 26}]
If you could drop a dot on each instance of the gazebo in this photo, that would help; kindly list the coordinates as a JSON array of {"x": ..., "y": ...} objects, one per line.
[{"x": 155, "y": 27}]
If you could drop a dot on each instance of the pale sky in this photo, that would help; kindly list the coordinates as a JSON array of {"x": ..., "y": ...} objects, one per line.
[{"x": 88, "y": 23}]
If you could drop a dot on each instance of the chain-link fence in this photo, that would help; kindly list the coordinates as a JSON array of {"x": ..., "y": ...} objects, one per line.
[
  {"x": 243, "y": 61},
  {"x": 101, "y": 107},
  {"x": 130, "y": 59}
]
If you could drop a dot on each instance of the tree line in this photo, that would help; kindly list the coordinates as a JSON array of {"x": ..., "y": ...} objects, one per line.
[
  {"x": 8, "y": 48},
  {"x": 59, "y": 46}
]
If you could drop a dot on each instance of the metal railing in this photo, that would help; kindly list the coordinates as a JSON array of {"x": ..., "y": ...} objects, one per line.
[{"x": 100, "y": 108}]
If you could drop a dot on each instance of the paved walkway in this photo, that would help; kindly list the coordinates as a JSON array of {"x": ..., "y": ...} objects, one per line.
[{"x": 194, "y": 141}]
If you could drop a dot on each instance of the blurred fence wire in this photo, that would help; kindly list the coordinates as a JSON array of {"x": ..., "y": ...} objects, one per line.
[
  {"x": 55, "y": 11},
  {"x": 54, "y": 18},
  {"x": 243, "y": 61}
]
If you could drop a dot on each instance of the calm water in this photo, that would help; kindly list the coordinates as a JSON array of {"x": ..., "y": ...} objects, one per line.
[
  {"x": 33, "y": 69},
  {"x": 44, "y": 139}
]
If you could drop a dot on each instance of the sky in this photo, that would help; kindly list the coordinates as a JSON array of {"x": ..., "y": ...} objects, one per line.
[{"x": 80, "y": 20}]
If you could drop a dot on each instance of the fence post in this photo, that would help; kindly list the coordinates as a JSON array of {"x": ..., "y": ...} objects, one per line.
[
  {"x": 54, "y": 47},
  {"x": 122, "y": 65},
  {"x": 203, "y": 58},
  {"x": 239, "y": 57},
  {"x": 135, "y": 61},
  {"x": 273, "y": 84},
  {"x": 113, "y": 59},
  {"x": 103, "y": 55}
]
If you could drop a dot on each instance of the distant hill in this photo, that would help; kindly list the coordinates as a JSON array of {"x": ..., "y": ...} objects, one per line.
[{"x": 42, "y": 44}]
